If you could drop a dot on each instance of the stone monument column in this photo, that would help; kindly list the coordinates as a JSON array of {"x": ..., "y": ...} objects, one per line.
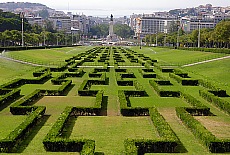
[{"x": 111, "y": 26}]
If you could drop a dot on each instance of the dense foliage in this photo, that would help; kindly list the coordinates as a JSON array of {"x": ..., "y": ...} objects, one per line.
[
  {"x": 121, "y": 30},
  {"x": 11, "y": 21}
]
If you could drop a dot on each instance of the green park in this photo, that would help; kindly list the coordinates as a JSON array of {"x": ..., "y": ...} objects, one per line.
[
  {"x": 99, "y": 86},
  {"x": 115, "y": 100}
]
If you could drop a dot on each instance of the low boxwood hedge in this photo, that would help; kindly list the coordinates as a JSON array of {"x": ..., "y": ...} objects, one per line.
[
  {"x": 181, "y": 78},
  {"x": 55, "y": 143},
  {"x": 161, "y": 92},
  {"x": 12, "y": 95},
  {"x": 167, "y": 142},
  {"x": 16, "y": 137},
  {"x": 214, "y": 144},
  {"x": 217, "y": 101}
]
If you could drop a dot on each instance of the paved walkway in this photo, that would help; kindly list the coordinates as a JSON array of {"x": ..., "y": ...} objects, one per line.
[
  {"x": 23, "y": 62},
  {"x": 202, "y": 62}
]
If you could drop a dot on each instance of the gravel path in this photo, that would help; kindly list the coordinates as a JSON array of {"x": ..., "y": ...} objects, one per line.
[
  {"x": 202, "y": 62},
  {"x": 23, "y": 62}
]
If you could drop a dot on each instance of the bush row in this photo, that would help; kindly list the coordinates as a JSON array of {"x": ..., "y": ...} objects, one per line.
[
  {"x": 23, "y": 106},
  {"x": 84, "y": 89},
  {"x": 192, "y": 100},
  {"x": 16, "y": 137},
  {"x": 184, "y": 81},
  {"x": 125, "y": 106},
  {"x": 12, "y": 95},
  {"x": 19, "y": 82},
  {"x": 90, "y": 111},
  {"x": 142, "y": 146},
  {"x": 55, "y": 143},
  {"x": 208, "y": 84},
  {"x": 40, "y": 72},
  {"x": 167, "y": 142},
  {"x": 207, "y": 138},
  {"x": 162, "y": 126},
  {"x": 146, "y": 73},
  {"x": 137, "y": 85},
  {"x": 59, "y": 68},
  {"x": 163, "y": 69},
  {"x": 59, "y": 79},
  {"x": 161, "y": 92},
  {"x": 198, "y": 109},
  {"x": 217, "y": 101},
  {"x": 65, "y": 84},
  {"x": 213, "y": 50},
  {"x": 127, "y": 110}
]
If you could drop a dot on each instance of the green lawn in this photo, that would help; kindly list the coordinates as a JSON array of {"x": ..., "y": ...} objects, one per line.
[
  {"x": 110, "y": 131},
  {"x": 177, "y": 57},
  {"x": 8, "y": 123},
  {"x": 10, "y": 70},
  {"x": 219, "y": 71},
  {"x": 46, "y": 56}
]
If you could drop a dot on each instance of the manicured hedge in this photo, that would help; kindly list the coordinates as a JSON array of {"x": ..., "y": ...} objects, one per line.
[
  {"x": 55, "y": 143},
  {"x": 163, "y": 68},
  {"x": 120, "y": 70},
  {"x": 182, "y": 78},
  {"x": 208, "y": 84},
  {"x": 124, "y": 83},
  {"x": 16, "y": 137},
  {"x": 162, "y": 126},
  {"x": 127, "y": 75},
  {"x": 90, "y": 111},
  {"x": 13, "y": 83},
  {"x": 59, "y": 68},
  {"x": 12, "y": 95},
  {"x": 138, "y": 86},
  {"x": 161, "y": 92},
  {"x": 147, "y": 73},
  {"x": 19, "y": 82},
  {"x": 125, "y": 106},
  {"x": 217, "y": 101},
  {"x": 213, "y": 50},
  {"x": 207, "y": 138},
  {"x": 192, "y": 100},
  {"x": 167, "y": 142},
  {"x": 40, "y": 72},
  {"x": 22, "y": 107}
]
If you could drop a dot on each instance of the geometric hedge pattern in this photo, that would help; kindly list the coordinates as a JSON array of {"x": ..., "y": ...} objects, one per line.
[{"x": 95, "y": 73}]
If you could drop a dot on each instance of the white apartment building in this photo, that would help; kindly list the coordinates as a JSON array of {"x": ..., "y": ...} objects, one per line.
[
  {"x": 151, "y": 23},
  {"x": 190, "y": 24}
]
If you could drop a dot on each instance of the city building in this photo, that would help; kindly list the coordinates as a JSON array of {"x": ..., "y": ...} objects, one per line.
[
  {"x": 151, "y": 23},
  {"x": 81, "y": 22},
  {"x": 61, "y": 23},
  {"x": 35, "y": 20}
]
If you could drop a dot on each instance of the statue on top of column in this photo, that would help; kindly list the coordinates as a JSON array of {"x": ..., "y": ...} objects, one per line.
[{"x": 111, "y": 17}]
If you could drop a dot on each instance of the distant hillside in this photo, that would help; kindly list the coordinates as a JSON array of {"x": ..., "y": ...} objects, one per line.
[
  {"x": 30, "y": 8},
  {"x": 11, "y": 6}
]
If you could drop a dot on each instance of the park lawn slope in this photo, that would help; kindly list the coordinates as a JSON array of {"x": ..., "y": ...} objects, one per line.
[{"x": 10, "y": 70}]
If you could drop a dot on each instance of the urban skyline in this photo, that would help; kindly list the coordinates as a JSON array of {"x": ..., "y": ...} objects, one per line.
[{"x": 103, "y": 8}]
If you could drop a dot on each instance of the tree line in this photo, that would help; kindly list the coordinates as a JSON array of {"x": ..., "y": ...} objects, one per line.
[
  {"x": 34, "y": 35},
  {"x": 102, "y": 30},
  {"x": 219, "y": 37}
]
